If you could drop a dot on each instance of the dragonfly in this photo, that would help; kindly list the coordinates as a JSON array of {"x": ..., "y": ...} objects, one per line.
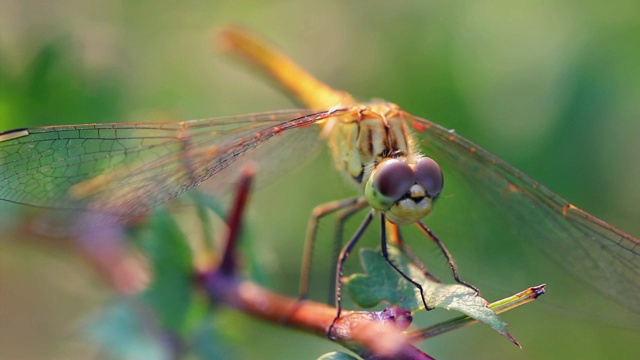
[{"x": 125, "y": 169}]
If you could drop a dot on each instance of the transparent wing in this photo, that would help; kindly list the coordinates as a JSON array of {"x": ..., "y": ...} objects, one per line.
[
  {"x": 592, "y": 250},
  {"x": 125, "y": 169}
]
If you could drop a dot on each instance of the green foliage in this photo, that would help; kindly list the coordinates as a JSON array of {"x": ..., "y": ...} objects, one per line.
[
  {"x": 381, "y": 283},
  {"x": 172, "y": 268},
  {"x": 125, "y": 331},
  {"x": 55, "y": 88},
  {"x": 166, "y": 318},
  {"x": 207, "y": 342}
]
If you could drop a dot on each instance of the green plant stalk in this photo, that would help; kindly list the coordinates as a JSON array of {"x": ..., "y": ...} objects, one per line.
[{"x": 499, "y": 306}]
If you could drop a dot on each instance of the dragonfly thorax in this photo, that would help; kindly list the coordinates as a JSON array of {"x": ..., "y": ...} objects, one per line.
[
  {"x": 373, "y": 146},
  {"x": 366, "y": 135}
]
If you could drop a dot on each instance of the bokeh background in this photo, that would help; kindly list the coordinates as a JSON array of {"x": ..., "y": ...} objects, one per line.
[{"x": 551, "y": 86}]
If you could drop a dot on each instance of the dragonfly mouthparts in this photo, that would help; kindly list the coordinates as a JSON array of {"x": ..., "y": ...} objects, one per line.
[
  {"x": 417, "y": 192},
  {"x": 415, "y": 204}
]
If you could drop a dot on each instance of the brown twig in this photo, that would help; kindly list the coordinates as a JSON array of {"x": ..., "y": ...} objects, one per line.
[{"x": 371, "y": 334}]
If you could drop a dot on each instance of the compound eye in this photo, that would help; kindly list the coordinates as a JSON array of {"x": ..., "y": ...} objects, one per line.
[
  {"x": 393, "y": 178},
  {"x": 429, "y": 175}
]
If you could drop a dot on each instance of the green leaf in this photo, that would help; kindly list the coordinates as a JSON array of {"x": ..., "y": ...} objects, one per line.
[
  {"x": 208, "y": 343},
  {"x": 381, "y": 283},
  {"x": 172, "y": 269},
  {"x": 124, "y": 333}
]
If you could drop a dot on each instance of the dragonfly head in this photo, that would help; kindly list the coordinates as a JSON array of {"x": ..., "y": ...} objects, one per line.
[{"x": 405, "y": 192}]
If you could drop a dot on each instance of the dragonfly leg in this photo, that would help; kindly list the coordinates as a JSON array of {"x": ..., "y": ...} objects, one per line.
[
  {"x": 344, "y": 255},
  {"x": 385, "y": 254},
  {"x": 395, "y": 237},
  {"x": 447, "y": 254},
  {"x": 318, "y": 213},
  {"x": 342, "y": 217}
]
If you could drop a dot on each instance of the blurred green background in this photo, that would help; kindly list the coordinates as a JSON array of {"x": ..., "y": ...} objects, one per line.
[{"x": 550, "y": 86}]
